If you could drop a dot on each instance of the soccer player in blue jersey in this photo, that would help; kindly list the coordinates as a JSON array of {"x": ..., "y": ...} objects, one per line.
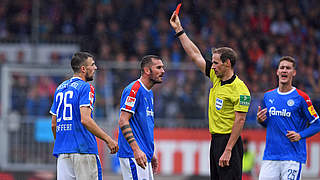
[
  {"x": 136, "y": 123},
  {"x": 290, "y": 118},
  {"x": 73, "y": 126}
]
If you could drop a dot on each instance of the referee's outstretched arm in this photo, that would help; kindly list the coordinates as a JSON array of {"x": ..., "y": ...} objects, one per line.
[{"x": 190, "y": 48}]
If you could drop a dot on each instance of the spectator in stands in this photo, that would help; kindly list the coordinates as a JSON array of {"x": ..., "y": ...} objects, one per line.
[
  {"x": 276, "y": 32},
  {"x": 248, "y": 161}
]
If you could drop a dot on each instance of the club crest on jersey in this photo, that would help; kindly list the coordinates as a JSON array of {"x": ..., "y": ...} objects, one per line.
[
  {"x": 219, "y": 103},
  {"x": 130, "y": 101},
  {"x": 290, "y": 102}
]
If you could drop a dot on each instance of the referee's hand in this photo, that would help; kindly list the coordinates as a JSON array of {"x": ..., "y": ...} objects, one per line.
[{"x": 225, "y": 158}]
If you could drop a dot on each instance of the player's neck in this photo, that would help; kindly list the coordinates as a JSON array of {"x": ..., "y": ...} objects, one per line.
[
  {"x": 285, "y": 87},
  {"x": 79, "y": 76},
  {"x": 228, "y": 75},
  {"x": 146, "y": 82}
]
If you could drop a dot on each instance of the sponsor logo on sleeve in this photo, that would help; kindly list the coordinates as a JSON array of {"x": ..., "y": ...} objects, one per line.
[
  {"x": 245, "y": 100},
  {"x": 130, "y": 101},
  {"x": 312, "y": 111}
]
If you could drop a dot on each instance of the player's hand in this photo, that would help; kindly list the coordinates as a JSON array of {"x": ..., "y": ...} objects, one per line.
[
  {"x": 154, "y": 164},
  {"x": 225, "y": 158},
  {"x": 293, "y": 136},
  {"x": 175, "y": 22},
  {"x": 113, "y": 146},
  {"x": 141, "y": 158},
  {"x": 261, "y": 115}
]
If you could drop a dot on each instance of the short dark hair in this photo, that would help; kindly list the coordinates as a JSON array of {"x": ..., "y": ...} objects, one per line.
[
  {"x": 78, "y": 60},
  {"x": 146, "y": 61},
  {"x": 226, "y": 53},
  {"x": 288, "y": 58}
]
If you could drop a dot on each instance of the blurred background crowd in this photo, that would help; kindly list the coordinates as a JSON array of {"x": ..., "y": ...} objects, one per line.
[
  {"x": 124, "y": 31},
  {"x": 119, "y": 33}
]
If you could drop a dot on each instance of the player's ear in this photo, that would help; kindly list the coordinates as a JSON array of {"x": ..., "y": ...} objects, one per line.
[
  {"x": 146, "y": 70},
  {"x": 294, "y": 73},
  {"x": 82, "y": 68},
  {"x": 228, "y": 62}
]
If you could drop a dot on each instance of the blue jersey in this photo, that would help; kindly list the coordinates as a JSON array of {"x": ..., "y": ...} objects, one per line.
[
  {"x": 291, "y": 111},
  {"x": 138, "y": 100},
  {"x": 71, "y": 135}
]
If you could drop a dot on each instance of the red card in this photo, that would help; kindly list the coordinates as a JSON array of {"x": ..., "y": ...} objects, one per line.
[{"x": 178, "y": 9}]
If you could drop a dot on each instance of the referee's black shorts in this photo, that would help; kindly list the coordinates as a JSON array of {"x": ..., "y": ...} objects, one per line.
[{"x": 234, "y": 170}]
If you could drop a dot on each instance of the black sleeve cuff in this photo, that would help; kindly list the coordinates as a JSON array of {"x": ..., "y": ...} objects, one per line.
[{"x": 208, "y": 68}]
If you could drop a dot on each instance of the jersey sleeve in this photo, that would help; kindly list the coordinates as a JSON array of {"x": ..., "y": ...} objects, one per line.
[
  {"x": 130, "y": 98},
  {"x": 242, "y": 99},
  {"x": 312, "y": 117},
  {"x": 308, "y": 110},
  {"x": 53, "y": 110},
  {"x": 87, "y": 96}
]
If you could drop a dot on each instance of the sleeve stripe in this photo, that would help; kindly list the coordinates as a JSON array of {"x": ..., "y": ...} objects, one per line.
[
  {"x": 86, "y": 105},
  {"x": 124, "y": 109},
  {"x": 134, "y": 89},
  {"x": 53, "y": 113},
  {"x": 314, "y": 120},
  {"x": 305, "y": 97}
]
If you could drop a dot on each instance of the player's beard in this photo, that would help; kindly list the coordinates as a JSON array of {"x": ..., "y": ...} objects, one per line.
[
  {"x": 154, "y": 79},
  {"x": 88, "y": 77}
]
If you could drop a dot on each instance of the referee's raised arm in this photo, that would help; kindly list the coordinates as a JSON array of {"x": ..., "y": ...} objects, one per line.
[{"x": 190, "y": 48}]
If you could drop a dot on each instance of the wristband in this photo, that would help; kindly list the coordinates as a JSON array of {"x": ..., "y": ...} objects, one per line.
[{"x": 179, "y": 33}]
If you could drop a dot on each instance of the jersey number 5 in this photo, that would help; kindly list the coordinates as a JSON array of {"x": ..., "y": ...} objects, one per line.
[{"x": 66, "y": 106}]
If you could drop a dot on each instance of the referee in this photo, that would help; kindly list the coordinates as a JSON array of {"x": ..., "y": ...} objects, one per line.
[{"x": 229, "y": 102}]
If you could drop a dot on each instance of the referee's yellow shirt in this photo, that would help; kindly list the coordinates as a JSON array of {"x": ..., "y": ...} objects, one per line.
[{"x": 224, "y": 100}]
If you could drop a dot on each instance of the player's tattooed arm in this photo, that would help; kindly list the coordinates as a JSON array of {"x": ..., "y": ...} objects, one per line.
[
  {"x": 139, "y": 155},
  {"x": 127, "y": 133}
]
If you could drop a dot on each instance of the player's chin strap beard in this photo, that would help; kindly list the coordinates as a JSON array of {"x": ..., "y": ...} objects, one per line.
[
  {"x": 88, "y": 78},
  {"x": 153, "y": 81}
]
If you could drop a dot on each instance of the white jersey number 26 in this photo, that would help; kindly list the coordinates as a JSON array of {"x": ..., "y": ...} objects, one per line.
[{"x": 67, "y": 107}]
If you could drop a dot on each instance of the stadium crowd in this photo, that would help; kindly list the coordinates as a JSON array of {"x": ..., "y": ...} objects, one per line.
[{"x": 123, "y": 31}]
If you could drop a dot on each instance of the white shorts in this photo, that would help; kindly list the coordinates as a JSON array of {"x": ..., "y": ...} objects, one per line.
[
  {"x": 132, "y": 171},
  {"x": 79, "y": 167},
  {"x": 280, "y": 170}
]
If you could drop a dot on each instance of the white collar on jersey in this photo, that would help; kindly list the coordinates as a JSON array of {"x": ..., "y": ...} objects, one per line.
[
  {"x": 76, "y": 78},
  {"x": 285, "y": 93},
  {"x": 143, "y": 85}
]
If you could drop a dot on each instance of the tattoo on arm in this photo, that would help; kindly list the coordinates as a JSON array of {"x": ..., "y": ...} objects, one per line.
[
  {"x": 125, "y": 127},
  {"x": 129, "y": 138},
  {"x": 126, "y": 133},
  {"x": 131, "y": 141}
]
